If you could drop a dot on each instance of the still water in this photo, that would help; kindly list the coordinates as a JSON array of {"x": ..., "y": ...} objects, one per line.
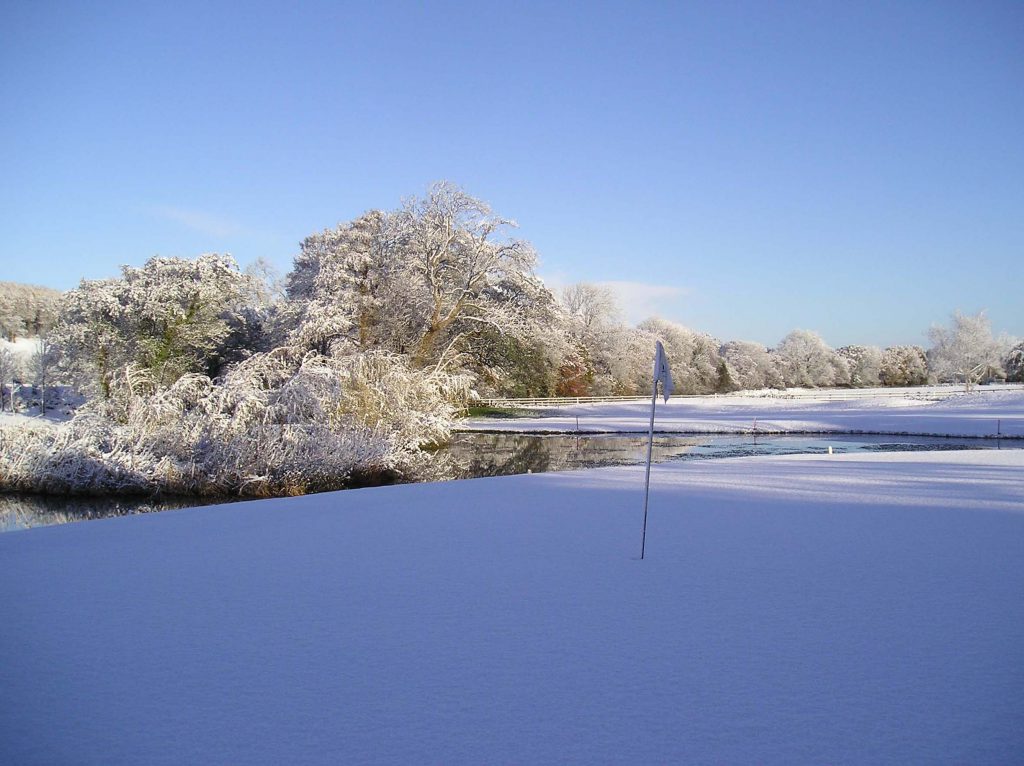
[{"x": 472, "y": 455}]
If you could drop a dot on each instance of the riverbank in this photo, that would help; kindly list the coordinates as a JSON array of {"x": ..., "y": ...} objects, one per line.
[
  {"x": 856, "y": 608},
  {"x": 979, "y": 414}
]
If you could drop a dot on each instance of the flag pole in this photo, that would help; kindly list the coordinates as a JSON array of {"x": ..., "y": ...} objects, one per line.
[{"x": 647, "y": 478}]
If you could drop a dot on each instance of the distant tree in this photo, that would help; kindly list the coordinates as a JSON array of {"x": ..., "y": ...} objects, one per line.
[
  {"x": 42, "y": 366},
  {"x": 592, "y": 308},
  {"x": 1013, "y": 363},
  {"x": 575, "y": 374},
  {"x": 692, "y": 355},
  {"x": 630, "y": 361},
  {"x": 903, "y": 366},
  {"x": 965, "y": 351},
  {"x": 8, "y": 372},
  {"x": 751, "y": 366},
  {"x": 266, "y": 286},
  {"x": 863, "y": 362},
  {"x": 806, "y": 360},
  {"x": 725, "y": 382},
  {"x": 26, "y": 309}
]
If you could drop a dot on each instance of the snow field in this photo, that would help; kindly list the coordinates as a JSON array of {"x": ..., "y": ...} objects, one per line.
[
  {"x": 979, "y": 414},
  {"x": 852, "y": 609}
]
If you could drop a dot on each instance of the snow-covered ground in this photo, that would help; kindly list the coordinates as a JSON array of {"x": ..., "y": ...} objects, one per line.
[
  {"x": 23, "y": 348},
  {"x": 977, "y": 414},
  {"x": 852, "y": 609}
]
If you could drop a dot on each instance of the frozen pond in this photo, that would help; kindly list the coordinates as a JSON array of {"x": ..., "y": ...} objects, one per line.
[{"x": 479, "y": 454}]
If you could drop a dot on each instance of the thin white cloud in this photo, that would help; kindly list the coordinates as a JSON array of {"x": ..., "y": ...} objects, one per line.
[
  {"x": 640, "y": 300},
  {"x": 204, "y": 223}
]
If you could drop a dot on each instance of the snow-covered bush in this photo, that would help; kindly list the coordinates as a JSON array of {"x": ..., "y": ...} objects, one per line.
[{"x": 279, "y": 423}]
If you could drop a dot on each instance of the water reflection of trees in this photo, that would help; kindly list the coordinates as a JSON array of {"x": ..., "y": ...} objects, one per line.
[
  {"x": 505, "y": 454},
  {"x": 24, "y": 511}
]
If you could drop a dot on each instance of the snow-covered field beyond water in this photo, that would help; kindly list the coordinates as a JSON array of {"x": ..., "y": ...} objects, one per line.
[
  {"x": 796, "y": 610},
  {"x": 983, "y": 413}
]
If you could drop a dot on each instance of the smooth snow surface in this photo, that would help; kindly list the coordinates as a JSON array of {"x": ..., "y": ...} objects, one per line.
[
  {"x": 797, "y": 610},
  {"x": 978, "y": 414}
]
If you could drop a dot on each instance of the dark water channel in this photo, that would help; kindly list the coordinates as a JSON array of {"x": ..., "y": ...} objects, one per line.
[{"x": 474, "y": 455}]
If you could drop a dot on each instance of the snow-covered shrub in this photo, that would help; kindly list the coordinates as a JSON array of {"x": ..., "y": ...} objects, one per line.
[{"x": 278, "y": 423}]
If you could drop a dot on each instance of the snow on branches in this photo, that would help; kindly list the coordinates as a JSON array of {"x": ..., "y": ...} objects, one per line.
[{"x": 283, "y": 422}]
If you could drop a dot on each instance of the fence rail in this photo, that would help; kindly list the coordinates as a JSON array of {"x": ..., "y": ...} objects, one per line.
[{"x": 828, "y": 395}]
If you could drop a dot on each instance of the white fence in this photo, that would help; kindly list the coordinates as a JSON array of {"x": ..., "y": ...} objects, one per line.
[{"x": 821, "y": 395}]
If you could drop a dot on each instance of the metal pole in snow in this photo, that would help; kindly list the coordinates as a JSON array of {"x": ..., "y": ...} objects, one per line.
[{"x": 647, "y": 478}]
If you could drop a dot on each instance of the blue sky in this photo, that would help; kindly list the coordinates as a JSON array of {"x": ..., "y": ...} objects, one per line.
[{"x": 744, "y": 168}]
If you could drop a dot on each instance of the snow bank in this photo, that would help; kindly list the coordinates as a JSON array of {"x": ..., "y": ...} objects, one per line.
[
  {"x": 979, "y": 414},
  {"x": 853, "y": 609}
]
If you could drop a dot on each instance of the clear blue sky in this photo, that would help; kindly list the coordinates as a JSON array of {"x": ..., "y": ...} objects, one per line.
[{"x": 852, "y": 168}]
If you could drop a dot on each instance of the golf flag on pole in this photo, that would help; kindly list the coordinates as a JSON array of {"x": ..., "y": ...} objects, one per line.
[
  {"x": 662, "y": 375},
  {"x": 661, "y": 372}
]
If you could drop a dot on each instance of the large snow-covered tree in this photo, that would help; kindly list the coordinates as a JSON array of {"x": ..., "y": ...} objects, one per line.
[
  {"x": 965, "y": 351},
  {"x": 427, "y": 281}
]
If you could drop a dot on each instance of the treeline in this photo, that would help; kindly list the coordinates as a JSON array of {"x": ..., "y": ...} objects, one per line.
[
  {"x": 26, "y": 310},
  {"x": 202, "y": 377}
]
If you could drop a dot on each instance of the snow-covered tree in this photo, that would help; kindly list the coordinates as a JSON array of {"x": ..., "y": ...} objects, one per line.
[
  {"x": 807, "y": 361},
  {"x": 594, "y": 361},
  {"x": 172, "y": 316},
  {"x": 42, "y": 366},
  {"x": 630, "y": 354},
  {"x": 903, "y": 366},
  {"x": 965, "y": 351},
  {"x": 8, "y": 372},
  {"x": 693, "y": 355},
  {"x": 751, "y": 366},
  {"x": 430, "y": 281},
  {"x": 592, "y": 309},
  {"x": 1013, "y": 363},
  {"x": 863, "y": 362},
  {"x": 26, "y": 310}
]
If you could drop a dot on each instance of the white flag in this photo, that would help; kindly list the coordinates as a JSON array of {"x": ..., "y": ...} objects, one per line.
[{"x": 661, "y": 372}]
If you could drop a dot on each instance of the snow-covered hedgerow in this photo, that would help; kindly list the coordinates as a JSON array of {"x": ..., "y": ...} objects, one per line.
[{"x": 279, "y": 423}]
